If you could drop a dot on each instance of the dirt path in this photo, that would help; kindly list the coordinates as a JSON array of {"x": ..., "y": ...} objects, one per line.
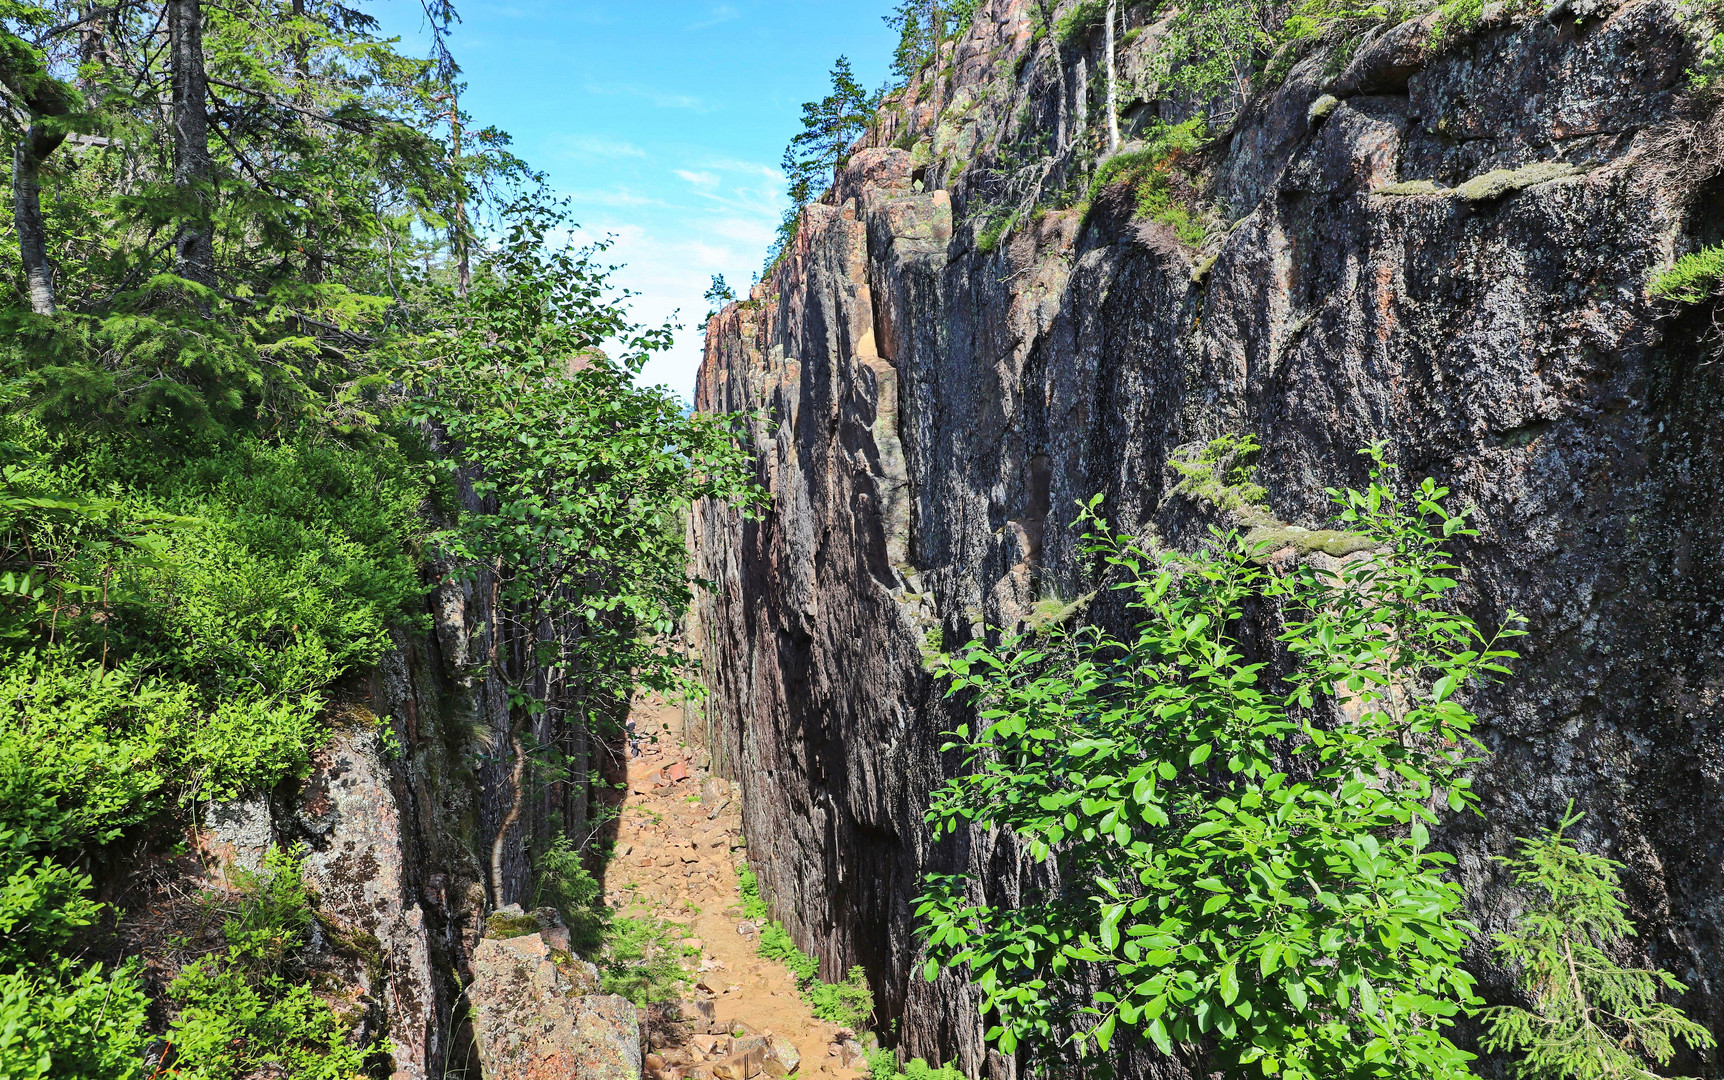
[{"x": 677, "y": 857}]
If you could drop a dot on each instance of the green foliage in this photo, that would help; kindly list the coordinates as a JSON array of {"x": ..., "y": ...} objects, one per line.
[
  {"x": 775, "y": 944},
  {"x": 923, "y": 26},
  {"x": 251, "y": 1008},
  {"x": 989, "y": 238},
  {"x": 883, "y": 1065},
  {"x": 1591, "y": 1019},
  {"x": 229, "y": 1027},
  {"x": 1079, "y": 21},
  {"x": 1694, "y": 278},
  {"x": 1148, "y": 175},
  {"x": 848, "y": 1004},
  {"x": 1236, "y": 865},
  {"x": 1708, "y": 67},
  {"x": 718, "y": 294},
  {"x": 1222, "y": 474},
  {"x": 63, "y": 1021},
  {"x": 561, "y": 880},
  {"x": 1455, "y": 20},
  {"x": 829, "y": 126},
  {"x": 642, "y": 960},
  {"x": 753, "y": 906},
  {"x": 585, "y": 473}
]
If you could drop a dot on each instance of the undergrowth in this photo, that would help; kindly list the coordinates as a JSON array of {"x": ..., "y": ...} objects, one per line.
[
  {"x": 848, "y": 1004},
  {"x": 883, "y": 1065},
  {"x": 251, "y": 1009},
  {"x": 1693, "y": 279},
  {"x": 641, "y": 959},
  {"x": 1148, "y": 176}
]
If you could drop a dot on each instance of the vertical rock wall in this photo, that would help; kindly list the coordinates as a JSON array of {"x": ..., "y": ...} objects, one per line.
[{"x": 935, "y": 392}]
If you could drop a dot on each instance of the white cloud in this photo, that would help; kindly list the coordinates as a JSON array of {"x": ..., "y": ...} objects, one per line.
[
  {"x": 668, "y": 252},
  {"x": 662, "y": 100},
  {"x": 723, "y": 13},
  {"x": 590, "y": 146},
  {"x": 614, "y": 197}
]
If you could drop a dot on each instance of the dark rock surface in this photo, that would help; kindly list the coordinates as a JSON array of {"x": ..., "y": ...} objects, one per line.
[{"x": 933, "y": 411}]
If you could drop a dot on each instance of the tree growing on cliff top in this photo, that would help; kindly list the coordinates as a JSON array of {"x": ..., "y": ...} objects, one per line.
[
  {"x": 829, "y": 126},
  {"x": 1293, "y": 917}
]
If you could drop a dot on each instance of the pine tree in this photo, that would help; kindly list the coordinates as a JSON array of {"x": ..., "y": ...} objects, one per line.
[
  {"x": 1592, "y": 1019},
  {"x": 829, "y": 126}
]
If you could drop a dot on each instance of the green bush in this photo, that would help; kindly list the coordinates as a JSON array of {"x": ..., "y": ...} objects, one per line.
[
  {"x": 61, "y": 1021},
  {"x": 775, "y": 944},
  {"x": 848, "y": 1004},
  {"x": 1294, "y": 919},
  {"x": 251, "y": 1008},
  {"x": 1148, "y": 176},
  {"x": 883, "y": 1065},
  {"x": 753, "y": 906},
  {"x": 642, "y": 960},
  {"x": 1222, "y": 474},
  {"x": 562, "y": 881},
  {"x": 1693, "y": 279}
]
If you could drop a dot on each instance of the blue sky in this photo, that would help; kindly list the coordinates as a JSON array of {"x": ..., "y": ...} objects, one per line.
[{"x": 663, "y": 120}]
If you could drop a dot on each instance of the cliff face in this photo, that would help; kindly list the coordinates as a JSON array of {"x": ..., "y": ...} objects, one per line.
[
  {"x": 937, "y": 391},
  {"x": 395, "y": 821}
]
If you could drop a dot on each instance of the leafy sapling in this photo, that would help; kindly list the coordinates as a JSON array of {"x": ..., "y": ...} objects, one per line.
[
  {"x": 1592, "y": 1018},
  {"x": 1235, "y": 864}
]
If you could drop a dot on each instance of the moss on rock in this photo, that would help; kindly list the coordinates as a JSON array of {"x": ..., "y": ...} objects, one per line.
[{"x": 503, "y": 925}]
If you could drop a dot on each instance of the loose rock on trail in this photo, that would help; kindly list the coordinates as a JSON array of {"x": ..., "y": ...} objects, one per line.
[{"x": 678, "y": 850}]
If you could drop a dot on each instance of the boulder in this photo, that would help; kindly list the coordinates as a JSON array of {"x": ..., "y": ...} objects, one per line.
[{"x": 531, "y": 1022}]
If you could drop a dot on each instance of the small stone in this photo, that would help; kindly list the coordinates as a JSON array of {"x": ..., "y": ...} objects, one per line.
[
  {"x": 784, "y": 1052},
  {"x": 692, "y": 943},
  {"x": 654, "y": 1061},
  {"x": 746, "y": 928}
]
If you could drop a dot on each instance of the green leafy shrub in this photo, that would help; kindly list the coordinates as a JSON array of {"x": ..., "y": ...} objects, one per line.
[
  {"x": 775, "y": 944},
  {"x": 1223, "y": 473},
  {"x": 1592, "y": 1019},
  {"x": 229, "y": 1027},
  {"x": 1239, "y": 866},
  {"x": 848, "y": 1004},
  {"x": 753, "y": 907},
  {"x": 1694, "y": 278},
  {"x": 251, "y": 1008},
  {"x": 642, "y": 960},
  {"x": 63, "y": 1021},
  {"x": 561, "y": 880},
  {"x": 883, "y": 1065},
  {"x": 1148, "y": 175}
]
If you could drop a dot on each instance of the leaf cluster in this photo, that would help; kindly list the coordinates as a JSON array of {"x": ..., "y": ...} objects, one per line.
[{"x": 1232, "y": 863}]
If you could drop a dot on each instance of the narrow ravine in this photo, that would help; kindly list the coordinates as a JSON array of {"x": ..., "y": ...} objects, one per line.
[{"x": 678, "y": 853}]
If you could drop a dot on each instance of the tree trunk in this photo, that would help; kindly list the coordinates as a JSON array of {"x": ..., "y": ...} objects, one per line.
[
  {"x": 459, "y": 230},
  {"x": 517, "y": 786},
  {"x": 1112, "y": 81},
  {"x": 194, "y": 245},
  {"x": 1080, "y": 100},
  {"x": 27, "y": 157}
]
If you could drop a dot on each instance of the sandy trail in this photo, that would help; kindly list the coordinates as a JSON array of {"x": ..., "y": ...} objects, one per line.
[{"x": 678, "y": 850}]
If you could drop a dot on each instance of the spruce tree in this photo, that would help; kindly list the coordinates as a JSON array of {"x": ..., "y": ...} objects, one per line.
[{"x": 1592, "y": 1018}]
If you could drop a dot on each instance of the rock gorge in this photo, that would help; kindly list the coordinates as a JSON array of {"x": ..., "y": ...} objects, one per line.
[{"x": 1440, "y": 241}]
